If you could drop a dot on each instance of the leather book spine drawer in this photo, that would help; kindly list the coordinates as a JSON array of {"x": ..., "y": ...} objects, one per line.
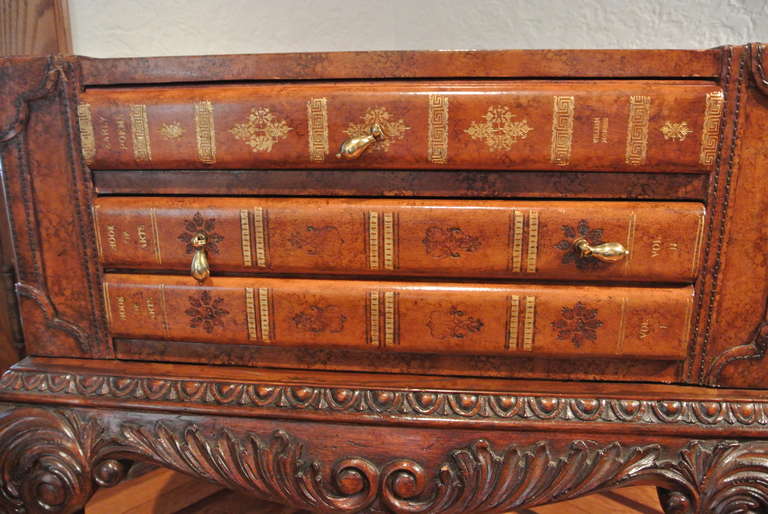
[
  {"x": 464, "y": 238},
  {"x": 641, "y": 126},
  {"x": 478, "y": 319}
]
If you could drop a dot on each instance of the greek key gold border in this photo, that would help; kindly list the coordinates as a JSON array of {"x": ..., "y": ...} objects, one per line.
[
  {"x": 518, "y": 220},
  {"x": 533, "y": 241},
  {"x": 87, "y": 137},
  {"x": 245, "y": 237},
  {"x": 529, "y": 327},
  {"x": 563, "y": 109},
  {"x": 513, "y": 322},
  {"x": 637, "y": 129},
  {"x": 374, "y": 318},
  {"x": 390, "y": 318},
  {"x": 250, "y": 313},
  {"x": 710, "y": 130},
  {"x": 264, "y": 308},
  {"x": 437, "y": 138},
  {"x": 205, "y": 132},
  {"x": 389, "y": 240},
  {"x": 372, "y": 222},
  {"x": 317, "y": 128},
  {"x": 142, "y": 149},
  {"x": 260, "y": 228}
]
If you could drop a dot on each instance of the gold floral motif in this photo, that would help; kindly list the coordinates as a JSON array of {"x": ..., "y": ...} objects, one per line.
[
  {"x": 171, "y": 131},
  {"x": 676, "y": 131},
  {"x": 499, "y": 130},
  {"x": 261, "y": 131},
  {"x": 394, "y": 130}
]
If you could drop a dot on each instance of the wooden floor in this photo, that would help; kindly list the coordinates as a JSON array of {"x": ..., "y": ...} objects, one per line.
[{"x": 166, "y": 492}]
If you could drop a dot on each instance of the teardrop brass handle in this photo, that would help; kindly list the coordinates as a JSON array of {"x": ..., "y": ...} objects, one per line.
[
  {"x": 606, "y": 252},
  {"x": 199, "y": 268},
  {"x": 354, "y": 147}
]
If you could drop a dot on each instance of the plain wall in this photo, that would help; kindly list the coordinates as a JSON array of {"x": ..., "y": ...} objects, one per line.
[{"x": 112, "y": 28}]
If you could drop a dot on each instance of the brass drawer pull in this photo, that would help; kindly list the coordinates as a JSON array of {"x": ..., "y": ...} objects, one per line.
[
  {"x": 354, "y": 147},
  {"x": 199, "y": 268},
  {"x": 606, "y": 252}
]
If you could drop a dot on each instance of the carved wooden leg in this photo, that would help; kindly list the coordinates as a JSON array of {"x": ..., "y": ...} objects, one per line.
[{"x": 46, "y": 461}]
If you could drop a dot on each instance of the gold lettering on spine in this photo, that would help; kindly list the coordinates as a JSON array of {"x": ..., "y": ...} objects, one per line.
[
  {"x": 317, "y": 128},
  {"x": 600, "y": 130},
  {"x": 250, "y": 311},
  {"x": 437, "y": 140},
  {"x": 637, "y": 129},
  {"x": 266, "y": 334},
  {"x": 373, "y": 317},
  {"x": 155, "y": 235},
  {"x": 517, "y": 241},
  {"x": 530, "y": 323},
  {"x": 533, "y": 241},
  {"x": 205, "y": 133},
  {"x": 389, "y": 318},
  {"x": 513, "y": 322},
  {"x": 562, "y": 129},
  {"x": 245, "y": 236},
  {"x": 87, "y": 139},
  {"x": 389, "y": 240},
  {"x": 261, "y": 229},
  {"x": 142, "y": 150},
  {"x": 373, "y": 240},
  {"x": 710, "y": 130}
]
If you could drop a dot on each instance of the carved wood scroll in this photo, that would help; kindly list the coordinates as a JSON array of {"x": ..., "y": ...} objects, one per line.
[{"x": 52, "y": 458}]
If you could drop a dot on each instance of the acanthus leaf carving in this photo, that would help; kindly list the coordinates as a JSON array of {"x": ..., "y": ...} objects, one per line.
[{"x": 51, "y": 459}]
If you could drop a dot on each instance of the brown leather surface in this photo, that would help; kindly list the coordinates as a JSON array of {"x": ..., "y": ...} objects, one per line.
[
  {"x": 480, "y": 239},
  {"x": 404, "y": 317},
  {"x": 554, "y": 64},
  {"x": 426, "y": 183},
  {"x": 584, "y": 125}
]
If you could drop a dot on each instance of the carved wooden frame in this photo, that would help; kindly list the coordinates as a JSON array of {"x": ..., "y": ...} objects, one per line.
[{"x": 54, "y": 457}]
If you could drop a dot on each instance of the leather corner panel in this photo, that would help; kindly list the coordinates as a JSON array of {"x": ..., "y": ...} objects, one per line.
[
  {"x": 477, "y": 319},
  {"x": 628, "y": 125}
]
